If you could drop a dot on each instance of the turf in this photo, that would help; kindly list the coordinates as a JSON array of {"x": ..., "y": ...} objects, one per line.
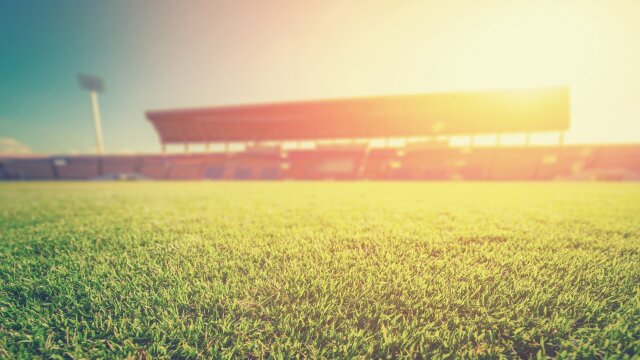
[{"x": 334, "y": 270}]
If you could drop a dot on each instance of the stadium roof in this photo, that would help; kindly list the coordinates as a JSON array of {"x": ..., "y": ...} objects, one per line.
[{"x": 487, "y": 112}]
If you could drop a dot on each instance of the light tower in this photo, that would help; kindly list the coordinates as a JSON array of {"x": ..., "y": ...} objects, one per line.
[{"x": 94, "y": 85}]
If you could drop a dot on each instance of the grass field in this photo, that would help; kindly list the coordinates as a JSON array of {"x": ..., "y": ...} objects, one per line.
[{"x": 335, "y": 270}]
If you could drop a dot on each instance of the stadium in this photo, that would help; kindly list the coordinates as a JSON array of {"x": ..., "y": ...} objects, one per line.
[{"x": 338, "y": 135}]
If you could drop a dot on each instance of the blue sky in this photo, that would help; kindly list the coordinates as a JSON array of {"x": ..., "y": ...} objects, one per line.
[
  {"x": 166, "y": 54},
  {"x": 43, "y": 44}
]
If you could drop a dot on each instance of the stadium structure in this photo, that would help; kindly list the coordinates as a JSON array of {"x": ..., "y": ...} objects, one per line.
[{"x": 348, "y": 139}]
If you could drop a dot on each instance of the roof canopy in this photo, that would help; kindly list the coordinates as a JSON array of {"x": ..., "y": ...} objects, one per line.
[{"x": 487, "y": 112}]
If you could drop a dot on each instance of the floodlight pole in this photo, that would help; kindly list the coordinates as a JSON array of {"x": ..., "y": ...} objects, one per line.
[
  {"x": 94, "y": 85},
  {"x": 95, "y": 108}
]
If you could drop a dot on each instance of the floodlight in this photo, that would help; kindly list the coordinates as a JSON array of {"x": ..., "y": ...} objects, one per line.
[{"x": 91, "y": 83}]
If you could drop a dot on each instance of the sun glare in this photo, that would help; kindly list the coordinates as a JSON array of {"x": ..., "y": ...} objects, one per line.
[
  {"x": 524, "y": 45},
  {"x": 579, "y": 44}
]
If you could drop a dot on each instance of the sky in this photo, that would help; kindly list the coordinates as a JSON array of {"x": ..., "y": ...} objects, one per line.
[{"x": 161, "y": 54}]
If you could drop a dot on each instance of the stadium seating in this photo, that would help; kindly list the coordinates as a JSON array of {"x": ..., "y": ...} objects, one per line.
[
  {"x": 514, "y": 164},
  {"x": 214, "y": 171},
  {"x": 378, "y": 162},
  {"x": 243, "y": 173},
  {"x": 338, "y": 162},
  {"x": 300, "y": 165},
  {"x": 402, "y": 172},
  {"x": 341, "y": 130},
  {"x": 564, "y": 162},
  {"x": 154, "y": 167},
  {"x": 623, "y": 157},
  {"x": 435, "y": 163},
  {"x": 577, "y": 162},
  {"x": 4, "y": 175},
  {"x": 120, "y": 165},
  {"x": 473, "y": 164},
  {"x": 77, "y": 167},
  {"x": 185, "y": 170},
  {"x": 29, "y": 169},
  {"x": 270, "y": 173}
]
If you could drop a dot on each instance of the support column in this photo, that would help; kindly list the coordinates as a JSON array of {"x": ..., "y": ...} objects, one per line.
[{"x": 96, "y": 122}]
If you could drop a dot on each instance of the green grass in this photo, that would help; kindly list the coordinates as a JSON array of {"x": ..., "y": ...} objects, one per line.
[{"x": 335, "y": 270}]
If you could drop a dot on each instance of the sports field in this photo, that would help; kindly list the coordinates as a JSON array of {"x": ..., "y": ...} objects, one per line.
[{"x": 334, "y": 270}]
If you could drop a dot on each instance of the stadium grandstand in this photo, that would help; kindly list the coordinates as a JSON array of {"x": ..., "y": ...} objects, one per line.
[{"x": 405, "y": 137}]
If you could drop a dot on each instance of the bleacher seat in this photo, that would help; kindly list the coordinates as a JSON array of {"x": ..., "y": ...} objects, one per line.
[
  {"x": 515, "y": 164},
  {"x": 565, "y": 161},
  {"x": 185, "y": 169},
  {"x": 154, "y": 167},
  {"x": 429, "y": 163},
  {"x": 300, "y": 164},
  {"x": 378, "y": 162},
  {"x": 4, "y": 175},
  {"x": 270, "y": 173},
  {"x": 474, "y": 163},
  {"x": 214, "y": 172},
  {"x": 243, "y": 173},
  {"x": 618, "y": 157},
  {"x": 435, "y": 172},
  {"x": 402, "y": 173},
  {"x": 77, "y": 168},
  {"x": 338, "y": 162},
  {"x": 249, "y": 165},
  {"x": 120, "y": 165},
  {"x": 30, "y": 169}
]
